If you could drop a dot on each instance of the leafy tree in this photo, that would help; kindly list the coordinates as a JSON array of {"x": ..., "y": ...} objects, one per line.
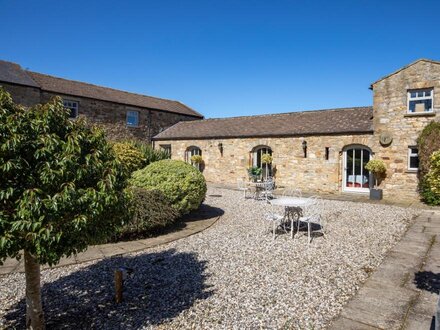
[{"x": 61, "y": 189}]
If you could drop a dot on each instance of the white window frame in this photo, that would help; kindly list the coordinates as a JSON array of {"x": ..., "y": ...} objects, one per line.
[
  {"x": 420, "y": 98},
  {"x": 410, "y": 155},
  {"x": 131, "y": 113},
  {"x": 74, "y": 106}
]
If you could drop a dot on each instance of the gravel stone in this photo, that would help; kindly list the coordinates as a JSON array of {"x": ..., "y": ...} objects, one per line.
[{"x": 233, "y": 275}]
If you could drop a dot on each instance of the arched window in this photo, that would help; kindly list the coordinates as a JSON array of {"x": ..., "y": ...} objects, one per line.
[
  {"x": 256, "y": 158},
  {"x": 356, "y": 177},
  {"x": 192, "y": 151}
]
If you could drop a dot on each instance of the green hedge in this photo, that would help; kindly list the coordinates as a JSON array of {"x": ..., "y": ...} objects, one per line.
[
  {"x": 428, "y": 145},
  {"x": 431, "y": 182},
  {"x": 148, "y": 210},
  {"x": 182, "y": 184}
]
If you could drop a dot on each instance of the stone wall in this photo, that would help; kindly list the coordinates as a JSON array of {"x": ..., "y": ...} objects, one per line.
[
  {"x": 313, "y": 173},
  {"x": 112, "y": 116},
  {"x": 391, "y": 115},
  {"x": 23, "y": 95}
]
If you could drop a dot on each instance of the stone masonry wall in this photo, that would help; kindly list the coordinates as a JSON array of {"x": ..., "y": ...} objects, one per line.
[
  {"x": 313, "y": 173},
  {"x": 391, "y": 115},
  {"x": 113, "y": 117},
  {"x": 23, "y": 95}
]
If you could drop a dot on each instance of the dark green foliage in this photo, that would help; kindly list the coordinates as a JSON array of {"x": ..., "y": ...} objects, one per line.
[
  {"x": 149, "y": 210},
  {"x": 428, "y": 143},
  {"x": 61, "y": 185},
  {"x": 130, "y": 157},
  {"x": 151, "y": 155},
  {"x": 135, "y": 155},
  {"x": 182, "y": 184},
  {"x": 431, "y": 182}
]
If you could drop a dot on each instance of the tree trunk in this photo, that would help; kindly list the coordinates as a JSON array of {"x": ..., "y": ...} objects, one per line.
[{"x": 34, "y": 309}]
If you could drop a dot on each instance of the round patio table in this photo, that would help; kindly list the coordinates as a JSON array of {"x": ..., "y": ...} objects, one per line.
[{"x": 292, "y": 208}]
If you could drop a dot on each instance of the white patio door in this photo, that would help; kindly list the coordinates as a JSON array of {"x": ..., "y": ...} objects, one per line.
[{"x": 356, "y": 177}]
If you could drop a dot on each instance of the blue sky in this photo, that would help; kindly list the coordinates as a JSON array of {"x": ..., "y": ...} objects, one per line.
[{"x": 224, "y": 58}]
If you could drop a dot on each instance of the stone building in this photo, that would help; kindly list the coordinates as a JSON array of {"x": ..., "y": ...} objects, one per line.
[
  {"x": 125, "y": 115},
  {"x": 325, "y": 150}
]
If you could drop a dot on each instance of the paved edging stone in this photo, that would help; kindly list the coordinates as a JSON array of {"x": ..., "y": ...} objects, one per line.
[
  {"x": 98, "y": 252},
  {"x": 401, "y": 293}
]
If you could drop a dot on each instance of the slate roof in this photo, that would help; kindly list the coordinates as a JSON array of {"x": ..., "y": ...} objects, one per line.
[
  {"x": 13, "y": 73},
  {"x": 319, "y": 122}
]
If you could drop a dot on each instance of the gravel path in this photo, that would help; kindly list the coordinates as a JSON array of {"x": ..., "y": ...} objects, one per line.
[{"x": 231, "y": 276}]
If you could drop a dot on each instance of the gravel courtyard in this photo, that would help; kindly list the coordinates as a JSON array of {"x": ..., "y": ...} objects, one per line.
[{"x": 231, "y": 276}]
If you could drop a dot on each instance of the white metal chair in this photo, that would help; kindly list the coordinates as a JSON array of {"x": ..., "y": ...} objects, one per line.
[
  {"x": 276, "y": 219},
  {"x": 269, "y": 186},
  {"x": 312, "y": 215},
  {"x": 241, "y": 185}
]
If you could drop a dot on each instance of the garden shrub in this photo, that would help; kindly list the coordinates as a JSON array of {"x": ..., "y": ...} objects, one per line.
[
  {"x": 431, "y": 182},
  {"x": 149, "y": 209},
  {"x": 182, "y": 184},
  {"x": 151, "y": 155},
  {"x": 130, "y": 157},
  {"x": 428, "y": 144},
  {"x": 135, "y": 155}
]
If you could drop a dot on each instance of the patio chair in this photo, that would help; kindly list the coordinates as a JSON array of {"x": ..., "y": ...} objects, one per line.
[
  {"x": 241, "y": 185},
  {"x": 312, "y": 216},
  {"x": 276, "y": 219},
  {"x": 269, "y": 186}
]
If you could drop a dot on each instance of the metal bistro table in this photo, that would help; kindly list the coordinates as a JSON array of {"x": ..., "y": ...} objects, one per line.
[{"x": 293, "y": 208}]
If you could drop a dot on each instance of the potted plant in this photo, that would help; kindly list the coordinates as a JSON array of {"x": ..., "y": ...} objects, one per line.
[
  {"x": 378, "y": 169},
  {"x": 196, "y": 160},
  {"x": 254, "y": 173},
  {"x": 266, "y": 159}
]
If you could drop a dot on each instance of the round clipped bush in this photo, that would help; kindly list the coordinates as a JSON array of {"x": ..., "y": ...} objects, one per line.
[
  {"x": 182, "y": 184},
  {"x": 130, "y": 157}
]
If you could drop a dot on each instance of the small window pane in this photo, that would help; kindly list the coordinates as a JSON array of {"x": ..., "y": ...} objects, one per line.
[
  {"x": 414, "y": 151},
  {"x": 414, "y": 162},
  {"x": 132, "y": 118},
  {"x": 413, "y": 94},
  {"x": 420, "y": 94},
  {"x": 427, "y": 93}
]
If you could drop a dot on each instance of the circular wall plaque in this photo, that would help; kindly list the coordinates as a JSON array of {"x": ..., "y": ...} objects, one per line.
[{"x": 385, "y": 138}]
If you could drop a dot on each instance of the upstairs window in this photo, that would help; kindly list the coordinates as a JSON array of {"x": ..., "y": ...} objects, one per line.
[
  {"x": 413, "y": 158},
  {"x": 132, "y": 118},
  {"x": 420, "y": 100},
  {"x": 72, "y": 106}
]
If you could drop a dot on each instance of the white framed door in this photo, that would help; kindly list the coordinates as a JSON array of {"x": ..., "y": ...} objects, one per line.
[{"x": 355, "y": 177}]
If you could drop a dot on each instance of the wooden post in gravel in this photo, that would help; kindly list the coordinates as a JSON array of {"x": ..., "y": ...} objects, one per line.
[{"x": 119, "y": 286}]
